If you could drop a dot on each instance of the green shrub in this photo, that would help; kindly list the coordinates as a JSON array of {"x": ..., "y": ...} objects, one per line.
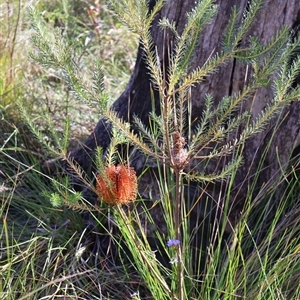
[{"x": 246, "y": 266}]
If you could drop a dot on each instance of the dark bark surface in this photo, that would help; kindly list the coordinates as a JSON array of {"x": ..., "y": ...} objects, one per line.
[{"x": 230, "y": 78}]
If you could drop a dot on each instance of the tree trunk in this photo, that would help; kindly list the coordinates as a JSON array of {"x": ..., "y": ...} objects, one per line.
[{"x": 229, "y": 79}]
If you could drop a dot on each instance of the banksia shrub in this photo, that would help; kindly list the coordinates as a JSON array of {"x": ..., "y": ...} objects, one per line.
[{"x": 118, "y": 185}]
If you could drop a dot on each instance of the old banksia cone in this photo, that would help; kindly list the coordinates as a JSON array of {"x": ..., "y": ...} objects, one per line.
[
  {"x": 118, "y": 185},
  {"x": 179, "y": 154}
]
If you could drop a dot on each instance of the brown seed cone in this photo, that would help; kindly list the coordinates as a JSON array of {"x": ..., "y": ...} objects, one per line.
[{"x": 179, "y": 154}]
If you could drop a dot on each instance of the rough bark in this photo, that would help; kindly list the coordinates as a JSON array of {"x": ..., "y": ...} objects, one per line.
[{"x": 229, "y": 79}]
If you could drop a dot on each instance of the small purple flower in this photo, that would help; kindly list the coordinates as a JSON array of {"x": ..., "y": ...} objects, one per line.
[{"x": 173, "y": 243}]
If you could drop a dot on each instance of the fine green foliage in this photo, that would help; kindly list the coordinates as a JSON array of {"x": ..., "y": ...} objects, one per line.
[
  {"x": 187, "y": 259},
  {"x": 11, "y": 64}
]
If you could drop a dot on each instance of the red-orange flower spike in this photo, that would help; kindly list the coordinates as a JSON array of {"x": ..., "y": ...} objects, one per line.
[{"x": 119, "y": 185}]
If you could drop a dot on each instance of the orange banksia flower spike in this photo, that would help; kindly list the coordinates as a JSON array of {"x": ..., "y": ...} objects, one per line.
[{"x": 118, "y": 185}]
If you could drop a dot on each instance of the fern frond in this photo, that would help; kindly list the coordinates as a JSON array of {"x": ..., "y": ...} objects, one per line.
[
  {"x": 79, "y": 206},
  {"x": 234, "y": 122},
  {"x": 293, "y": 95},
  {"x": 286, "y": 79},
  {"x": 66, "y": 134},
  {"x": 222, "y": 175},
  {"x": 133, "y": 138},
  {"x": 201, "y": 72},
  {"x": 43, "y": 40},
  {"x": 273, "y": 46},
  {"x": 100, "y": 160},
  {"x": 216, "y": 125},
  {"x": 220, "y": 151},
  {"x": 136, "y": 16},
  {"x": 64, "y": 195},
  {"x": 151, "y": 138},
  {"x": 164, "y": 23},
  {"x": 180, "y": 109},
  {"x": 56, "y": 52},
  {"x": 200, "y": 16},
  {"x": 98, "y": 86},
  {"x": 36, "y": 131},
  {"x": 156, "y": 123},
  {"x": 111, "y": 152},
  {"x": 272, "y": 109},
  {"x": 230, "y": 31},
  {"x": 266, "y": 59},
  {"x": 186, "y": 44},
  {"x": 132, "y": 14},
  {"x": 154, "y": 11},
  {"x": 153, "y": 61},
  {"x": 55, "y": 199},
  {"x": 249, "y": 16},
  {"x": 203, "y": 123},
  {"x": 80, "y": 90}
]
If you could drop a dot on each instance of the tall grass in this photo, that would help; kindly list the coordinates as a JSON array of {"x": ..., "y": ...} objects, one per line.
[{"x": 11, "y": 67}]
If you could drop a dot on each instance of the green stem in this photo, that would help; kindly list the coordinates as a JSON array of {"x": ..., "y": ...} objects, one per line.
[
  {"x": 142, "y": 257},
  {"x": 177, "y": 220}
]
